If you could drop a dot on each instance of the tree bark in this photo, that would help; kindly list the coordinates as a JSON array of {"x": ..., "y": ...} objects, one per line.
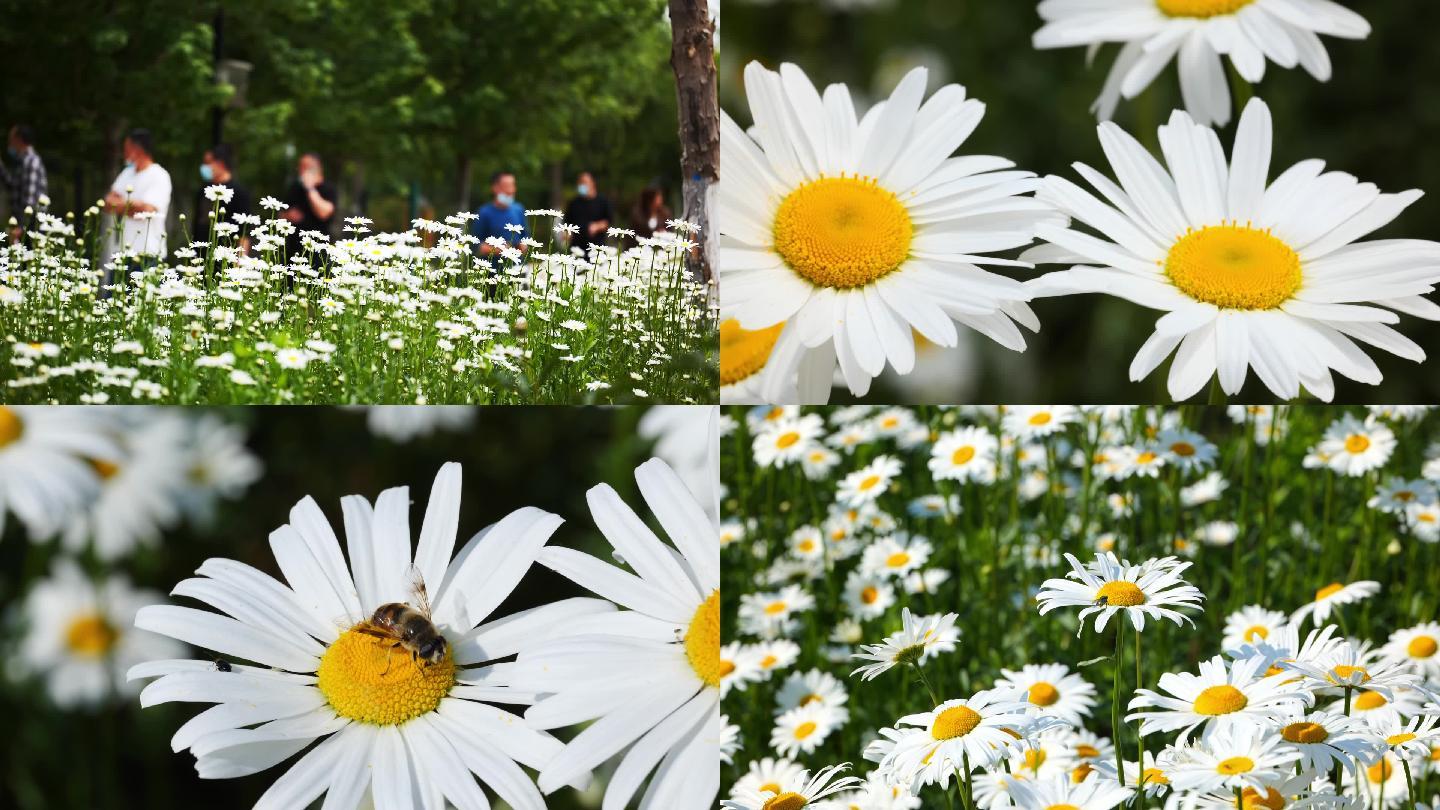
[{"x": 692, "y": 55}]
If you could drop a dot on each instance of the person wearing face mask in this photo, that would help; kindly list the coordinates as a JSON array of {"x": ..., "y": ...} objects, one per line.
[
  {"x": 502, "y": 210},
  {"x": 27, "y": 182},
  {"x": 312, "y": 202},
  {"x": 217, "y": 169},
  {"x": 138, "y": 202},
  {"x": 590, "y": 212},
  {"x": 650, "y": 213}
]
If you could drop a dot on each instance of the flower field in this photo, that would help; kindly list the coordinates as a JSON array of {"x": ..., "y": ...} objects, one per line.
[
  {"x": 1081, "y": 608},
  {"x": 409, "y": 318}
]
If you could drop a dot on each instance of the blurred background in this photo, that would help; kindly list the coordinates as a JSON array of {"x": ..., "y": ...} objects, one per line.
[
  {"x": 113, "y": 754},
  {"x": 412, "y": 106},
  {"x": 1378, "y": 118}
]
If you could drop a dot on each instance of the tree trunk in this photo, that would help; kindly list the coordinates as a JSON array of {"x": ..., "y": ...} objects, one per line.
[
  {"x": 462, "y": 185},
  {"x": 557, "y": 186},
  {"x": 692, "y": 55}
]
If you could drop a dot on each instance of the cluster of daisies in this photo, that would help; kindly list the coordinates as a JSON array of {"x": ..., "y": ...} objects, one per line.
[
  {"x": 850, "y": 238},
  {"x": 409, "y": 317},
  {"x": 939, "y": 608}
]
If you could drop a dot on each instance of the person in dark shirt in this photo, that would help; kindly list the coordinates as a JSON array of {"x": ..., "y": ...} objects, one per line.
[
  {"x": 650, "y": 213},
  {"x": 590, "y": 212},
  {"x": 217, "y": 169},
  {"x": 312, "y": 202}
]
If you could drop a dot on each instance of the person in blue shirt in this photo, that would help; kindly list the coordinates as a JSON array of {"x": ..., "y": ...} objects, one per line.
[{"x": 502, "y": 210}]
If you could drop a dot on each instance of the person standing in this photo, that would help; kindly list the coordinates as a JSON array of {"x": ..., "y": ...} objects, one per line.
[
  {"x": 27, "y": 182},
  {"x": 650, "y": 214},
  {"x": 138, "y": 201},
  {"x": 590, "y": 212},
  {"x": 312, "y": 202},
  {"x": 502, "y": 210},
  {"x": 217, "y": 169}
]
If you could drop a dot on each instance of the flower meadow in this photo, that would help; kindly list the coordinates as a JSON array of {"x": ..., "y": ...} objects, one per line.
[
  {"x": 407, "y": 318},
  {"x": 474, "y": 632},
  {"x": 1080, "y": 607}
]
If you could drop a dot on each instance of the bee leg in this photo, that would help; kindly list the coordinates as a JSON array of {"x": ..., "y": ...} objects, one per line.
[{"x": 389, "y": 653}]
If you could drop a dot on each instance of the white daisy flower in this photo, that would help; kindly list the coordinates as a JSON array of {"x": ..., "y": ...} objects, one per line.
[
  {"x": 1381, "y": 784},
  {"x": 1238, "y": 756},
  {"x": 818, "y": 461},
  {"x": 1396, "y": 495},
  {"x": 1417, "y": 646},
  {"x": 814, "y": 686},
  {"x": 220, "y": 466},
  {"x": 1352, "y": 447},
  {"x": 806, "y": 542},
  {"x": 786, "y": 440},
  {"x": 405, "y": 423},
  {"x": 771, "y": 614},
  {"x": 1206, "y": 490},
  {"x": 920, "y": 638},
  {"x": 140, "y": 490},
  {"x": 869, "y": 482},
  {"x": 1332, "y": 596},
  {"x": 964, "y": 454},
  {"x": 1200, "y": 32},
  {"x": 1413, "y": 740},
  {"x": 651, "y": 679},
  {"x": 772, "y": 776},
  {"x": 798, "y": 794},
  {"x": 868, "y": 596},
  {"x": 1251, "y": 624},
  {"x": 1108, "y": 586},
  {"x": 802, "y": 729},
  {"x": 79, "y": 636},
  {"x": 1091, "y": 793},
  {"x": 1424, "y": 521},
  {"x": 1249, "y": 276},
  {"x": 1220, "y": 698},
  {"x": 895, "y": 556},
  {"x": 382, "y": 718},
  {"x": 1028, "y": 422},
  {"x": 855, "y": 234},
  {"x": 1324, "y": 740},
  {"x": 957, "y": 735},
  {"x": 1382, "y": 709},
  {"x": 1051, "y": 689},
  {"x": 739, "y": 667},
  {"x": 46, "y": 475},
  {"x": 775, "y": 655},
  {"x": 1186, "y": 449}
]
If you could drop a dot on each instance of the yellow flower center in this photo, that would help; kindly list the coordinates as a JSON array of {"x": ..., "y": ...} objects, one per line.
[
  {"x": 1235, "y": 765},
  {"x": 726, "y": 667},
  {"x": 1041, "y": 418},
  {"x": 956, "y": 721},
  {"x": 1356, "y": 443},
  {"x": 775, "y": 608},
  {"x": 90, "y": 636},
  {"x": 787, "y": 440},
  {"x": 1218, "y": 700},
  {"x": 1234, "y": 267},
  {"x": 1328, "y": 591},
  {"x": 1255, "y": 631},
  {"x": 1421, "y": 647},
  {"x": 807, "y": 545},
  {"x": 1121, "y": 594},
  {"x": 810, "y": 698},
  {"x": 1043, "y": 694},
  {"x": 1399, "y": 739},
  {"x": 1308, "y": 733},
  {"x": 963, "y": 455},
  {"x": 1034, "y": 758},
  {"x": 842, "y": 232},
  {"x": 785, "y": 801},
  {"x": 869, "y": 483},
  {"x": 1146, "y": 457},
  {"x": 1200, "y": 8},
  {"x": 702, "y": 640},
  {"x": 1380, "y": 771},
  {"x": 1078, "y": 775},
  {"x": 768, "y": 661},
  {"x": 369, "y": 679},
  {"x": 1184, "y": 449},
  {"x": 897, "y": 559},
  {"x": 742, "y": 352},
  {"x": 1366, "y": 701},
  {"x": 10, "y": 426},
  {"x": 869, "y": 594},
  {"x": 1153, "y": 776},
  {"x": 1062, "y": 807},
  {"x": 1086, "y": 751},
  {"x": 1250, "y": 799},
  {"x": 804, "y": 730},
  {"x": 770, "y": 787},
  {"x": 1343, "y": 673},
  {"x": 104, "y": 469}
]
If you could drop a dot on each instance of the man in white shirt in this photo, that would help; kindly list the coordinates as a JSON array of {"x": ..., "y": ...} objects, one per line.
[{"x": 138, "y": 202}]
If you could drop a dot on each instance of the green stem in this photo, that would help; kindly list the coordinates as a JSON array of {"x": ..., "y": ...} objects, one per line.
[
  {"x": 1139, "y": 735},
  {"x": 1115, "y": 699}
]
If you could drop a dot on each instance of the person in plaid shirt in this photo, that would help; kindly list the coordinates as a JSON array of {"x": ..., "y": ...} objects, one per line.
[{"x": 27, "y": 182}]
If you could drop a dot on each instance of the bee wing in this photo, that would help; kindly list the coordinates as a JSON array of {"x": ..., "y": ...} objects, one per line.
[{"x": 420, "y": 598}]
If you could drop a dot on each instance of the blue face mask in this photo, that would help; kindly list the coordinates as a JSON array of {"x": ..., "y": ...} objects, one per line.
[
  {"x": 129, "y": 164},
  {"x": 583, "y": 190},
  {"x": 206, "y": 173},
  {"x": 505, "y": 199}
]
